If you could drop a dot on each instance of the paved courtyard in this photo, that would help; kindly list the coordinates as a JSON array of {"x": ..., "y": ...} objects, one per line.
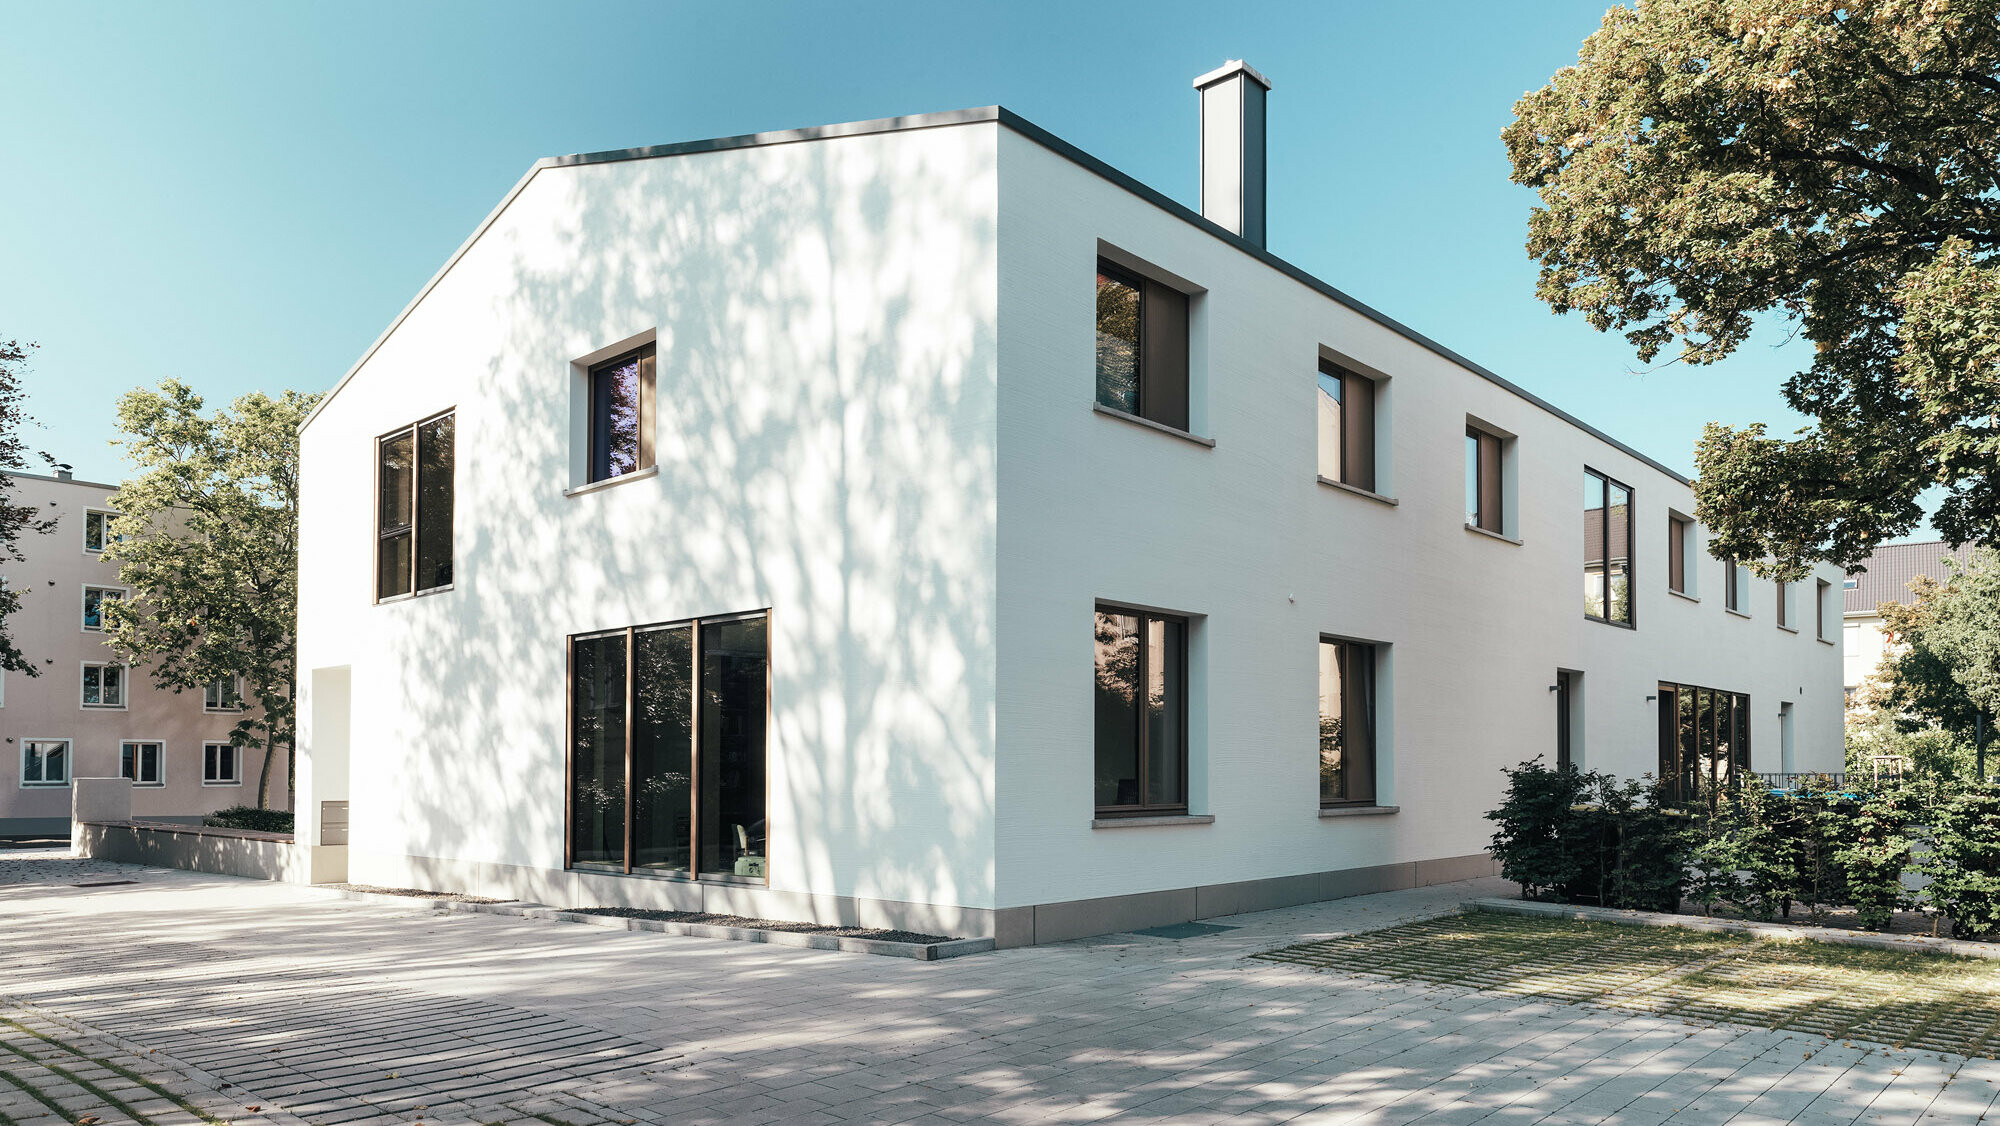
[{"x": 180, "y": 998}]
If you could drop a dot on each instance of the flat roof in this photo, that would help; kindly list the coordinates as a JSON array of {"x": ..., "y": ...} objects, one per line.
[
  {"x": 57, "y": 480},
  {"x": 1047, "y": 140}
]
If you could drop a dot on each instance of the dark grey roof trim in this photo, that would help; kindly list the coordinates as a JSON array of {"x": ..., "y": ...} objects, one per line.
[
  {"x": 1055, "y": 145},
  {"x": 56, "y": 480}
]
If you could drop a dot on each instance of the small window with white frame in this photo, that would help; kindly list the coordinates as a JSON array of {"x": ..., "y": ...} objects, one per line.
[
  {"x": 221, "y": 764},
  {"x": 103, "y": 685},
  {"x": 44, "y": 762},
  {"x": 223, "y": 694},
  {"x": 94, "y": 598},
  {"x": 139, "y": 760},
  {"x": 97, "y": 533}
]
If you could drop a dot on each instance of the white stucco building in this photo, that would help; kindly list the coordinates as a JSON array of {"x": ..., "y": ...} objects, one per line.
[
  {"x": 919, "y": 522},
  {"x": 89, "y": 714},
  {"x": 1886, "y": 578}
]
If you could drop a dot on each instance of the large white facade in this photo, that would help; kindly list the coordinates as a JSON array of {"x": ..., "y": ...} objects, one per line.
[{"x": 875, "y": 385}]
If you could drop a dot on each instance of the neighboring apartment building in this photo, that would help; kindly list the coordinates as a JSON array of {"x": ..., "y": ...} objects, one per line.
[
  {"x": 1886, "y": 578},
  {"x": 920, "y": 522},
  {"x": 90, "y": 715}
]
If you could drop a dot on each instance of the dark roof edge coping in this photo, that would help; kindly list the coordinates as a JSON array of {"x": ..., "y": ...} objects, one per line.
[{"x": 1045, "y": 139}]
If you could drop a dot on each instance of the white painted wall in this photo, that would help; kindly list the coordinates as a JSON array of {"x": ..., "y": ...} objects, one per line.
[
  {"x": 1243, "y": 537},
  {"x": 826, "y": 344}
]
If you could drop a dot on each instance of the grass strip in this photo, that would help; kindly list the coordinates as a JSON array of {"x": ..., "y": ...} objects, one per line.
[
  {"x": 22, "y": 1085},
  {"x": 109, "y": 1099},
  {"x": 122, "y": 1072}
]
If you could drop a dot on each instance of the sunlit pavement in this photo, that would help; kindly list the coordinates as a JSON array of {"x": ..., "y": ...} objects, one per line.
[{"x": 181, "y": 991}]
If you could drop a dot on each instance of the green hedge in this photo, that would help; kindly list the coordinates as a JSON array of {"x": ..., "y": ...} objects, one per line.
[
  {"x": 252, "y": 818},
  {"x": 1585, "y": 837}
]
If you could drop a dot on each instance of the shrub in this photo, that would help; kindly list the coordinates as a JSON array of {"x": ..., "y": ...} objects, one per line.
[
  {"x": 1543, "y": 842},
  {"x": 1964, "y": 861},
  {"x": 252, "y": 818},
  {"x": 1586, "y": 837},
  {"x": 1872, "y": 847}
]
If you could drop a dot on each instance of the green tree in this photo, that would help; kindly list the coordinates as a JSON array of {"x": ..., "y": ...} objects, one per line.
[
  {"x": 1945, "y": 669},
  {"x": 210, "y": 549},
  {"x": 1707, "y": 163},
  {"x": 16, "y": 520}
]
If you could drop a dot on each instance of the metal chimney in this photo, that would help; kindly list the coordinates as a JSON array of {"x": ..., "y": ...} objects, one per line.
[{"x": 1232, "y": 148}]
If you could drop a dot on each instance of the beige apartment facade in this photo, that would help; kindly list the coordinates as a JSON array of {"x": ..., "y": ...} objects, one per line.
[
  {"x": 88, "y": 714},
  {"x": 1885, "y": 578}
]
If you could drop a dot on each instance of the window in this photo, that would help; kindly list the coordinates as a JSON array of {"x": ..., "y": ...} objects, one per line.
[
  {"x": 1141, "y": 708},
  {"x": 97, "y": 529},
  {"x": 44, "y": 762},
  {"x": 1485, "y": 499},
  {"x": 1607, "y": 549},
  {"x": 1142, "y": 347},
  {"x": 103, "y": 685},
  {"x": 1569, "y": 697},
  {"x": 1819, "y": 608},
  {"x": 1680, "y": 539},
  {"x": 1735, "y": 582},
  {"x": 1704, "y": 738},
  {"x": 1850, "y": 582},
  {"x": 415, "y": 494},
  {"x": 94, "y": 598},
  {"x": 1346, "y": 426},
  {"x": 140, "y": 762},
  {"x": 1346, "y": 723},
  {"x": 1784, "y": 605},
  {"x": 221, "y": 695},
  {"x": 621, "y": 414},
  {"x": 221, "y": 764},
  {"x": 679, "y": 711}
]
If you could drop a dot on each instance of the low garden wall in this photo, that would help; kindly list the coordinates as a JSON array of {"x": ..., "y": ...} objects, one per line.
[{"x": 102, "y": 828}]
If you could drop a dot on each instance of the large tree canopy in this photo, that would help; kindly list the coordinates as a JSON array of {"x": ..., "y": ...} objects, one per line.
[
  {"x": 209, "y": 545},
  {"x": 1836, "y": 164}
]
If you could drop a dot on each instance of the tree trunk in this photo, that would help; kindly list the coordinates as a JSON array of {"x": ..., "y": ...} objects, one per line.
[{"x": 264, "y": 775}]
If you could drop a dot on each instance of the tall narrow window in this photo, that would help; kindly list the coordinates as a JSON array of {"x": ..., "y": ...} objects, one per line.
[
  {"x": 1734, "y": 583},
  {"x": 667, "y": 768},
  {"x": 140, "y": 762},
  {"x": 1482, "y": 481},
  {"x": 621, "y": 414},
  {"x": 94, "y": 598},
  {"x": 1141, "y": 705},
  {"x": 1680, "y": 537},
  {"x": 1566, "y": 692},
  {"x": 1346, "y": 426},
  {"x": 1346, "y": 723},
  {"x": 1784, "y": 604},
  {"x": 1819, "y": 607},
  {"x": 1142, "y": 347},
  {"x": 103, "y": 686},
  {"x": 45, "y": 762},
  {"x": 415, "y": 480},
  {"x": 1607, "y": 549}
]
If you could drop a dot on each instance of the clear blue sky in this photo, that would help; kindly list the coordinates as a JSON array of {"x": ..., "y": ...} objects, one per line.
[{"x": 241, "y": 196}]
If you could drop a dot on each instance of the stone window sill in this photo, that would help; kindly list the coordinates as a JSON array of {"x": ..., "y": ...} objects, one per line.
[
  {"x": 1682, "y": 594},
  {"x": 1110, "y": 412},
  {"x": 1358, "y": 810},
  {"x": 1737, "y": 613},
  {"x": 609, "y": 482},
  {"x": 1359, "y": 491},
  {"x": 1145, "y": 822},
  {"x": 1479, "y": 531}
]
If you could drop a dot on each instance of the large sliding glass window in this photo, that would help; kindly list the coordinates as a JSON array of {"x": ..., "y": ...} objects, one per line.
[
  {"x": 667, "y": 748},
  {"x": 1607, "y": 549},
  {"x": 1141, "y": 713},
  {"x": 1346, "y": 723},
  {"x": 1704, "y": 737},
  {"x": 415, "y": 488}
]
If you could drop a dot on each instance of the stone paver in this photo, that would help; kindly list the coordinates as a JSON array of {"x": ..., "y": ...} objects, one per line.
[{"x": 233, "y": 994}]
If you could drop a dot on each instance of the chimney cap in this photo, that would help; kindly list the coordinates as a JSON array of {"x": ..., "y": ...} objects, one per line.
[
  {"x": 1229, "y": 69},
  {"x": 63, "y": 471}
]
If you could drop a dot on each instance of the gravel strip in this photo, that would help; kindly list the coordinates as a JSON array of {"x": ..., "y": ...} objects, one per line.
[
  {"x": 875, "y": 933},
  {"x": 416, "y": 893}
]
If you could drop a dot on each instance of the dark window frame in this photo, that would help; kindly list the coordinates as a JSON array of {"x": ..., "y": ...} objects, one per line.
[
  {"x": 1784, "y": 604},
  {"x": 414, "y": 530},
  {"x": 1819, "y": 608},
  {"x": 1142, "y": 808},
  {"x": 630, "y": 635},
  {"x": 1735, "y": 715},
  {"x": 1680, "y": 541},
  {"x": 1734, "y": 586},
  {"x": 1372, "y": 710},
  {"x": 1488, "y": 479},
  {"x": 1631, "y": 621},
  {"x": 1358, "y": 399},
  {"x": 596, "y": 468},
  {"x": 1165, "y": 352}
]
